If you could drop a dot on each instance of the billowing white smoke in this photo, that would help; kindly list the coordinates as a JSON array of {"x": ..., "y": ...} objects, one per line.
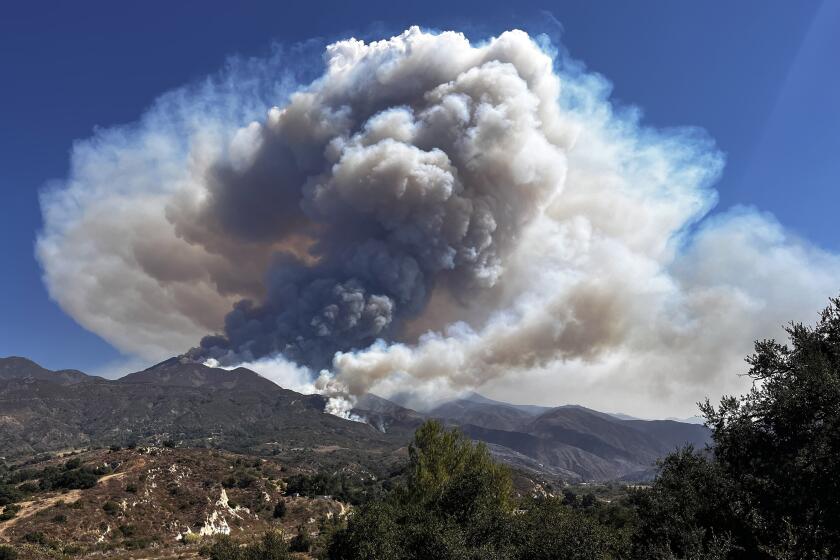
[
  {"x": 428, "y": 216},
  {"x": 302, "y": 380},
  {"x": 281, "y": 371}
]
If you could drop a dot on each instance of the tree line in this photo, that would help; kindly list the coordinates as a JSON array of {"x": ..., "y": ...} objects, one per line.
[{"x": 768, "y": 487}]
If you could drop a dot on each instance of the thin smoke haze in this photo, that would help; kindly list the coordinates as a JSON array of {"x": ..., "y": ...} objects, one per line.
[{"x": 429, "y": 215}]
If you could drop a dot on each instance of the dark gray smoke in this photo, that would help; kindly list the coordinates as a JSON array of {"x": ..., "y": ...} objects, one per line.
[
  {"x": 427, "y": 216},
  {"x": 402, "y": 168}
]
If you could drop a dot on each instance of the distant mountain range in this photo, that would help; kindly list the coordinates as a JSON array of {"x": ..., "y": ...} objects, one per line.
[
  {"x": 571, "y": 441},
  {"x": 196, "y": 405}
]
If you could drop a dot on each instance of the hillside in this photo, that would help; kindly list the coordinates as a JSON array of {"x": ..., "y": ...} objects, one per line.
[
  {"x": 159, "y": 501},
  {"x": 199, "y": 406},
  {"x": 15, "y": 367},
  {"x": 487, "y": 415},
  {"x": 583, "y": 444},
  {"x": 185, "y": 402}
]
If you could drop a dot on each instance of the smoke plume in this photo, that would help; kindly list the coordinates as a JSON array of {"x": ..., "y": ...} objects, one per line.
[{"x": 426, "y": 216}]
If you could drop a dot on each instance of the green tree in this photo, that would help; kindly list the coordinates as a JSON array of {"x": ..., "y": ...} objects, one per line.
[
  {"x": 111, "y": 507},
  {"x": 224, "y": 548},
  {"x": 8, "y": 552},
  {"x": 457, "y": 504},
  {"x": 768, "y": 488},
  {"x": 780, "y": 443},
  {"x": 272, "y": 546},
  {"x": 372, "y": 533},
  {"x": 302, "y": 541},
  {"x": 454, "y": 501},
  {"x": 448, "y": 470},
  {"x": 548, "y": 529},
  {"x": 280, "y": 509},
  {"x": 686, "y": 513}
]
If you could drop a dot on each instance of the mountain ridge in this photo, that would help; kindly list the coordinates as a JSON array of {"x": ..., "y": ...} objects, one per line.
[
  {"x": 18, "y": 367},
  {"x": 572, "y": 438},
  {"x": 238, "y": 409}
]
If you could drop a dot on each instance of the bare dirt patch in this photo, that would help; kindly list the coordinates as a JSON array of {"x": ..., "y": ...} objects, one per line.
[{"x": 30, "y": 508}]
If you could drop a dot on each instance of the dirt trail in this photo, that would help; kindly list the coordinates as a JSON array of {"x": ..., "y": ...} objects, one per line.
[
  {"x": 135, "y": 466},
  {"x": 28, "y": 509},
  {"x": 108, "y": 477}
]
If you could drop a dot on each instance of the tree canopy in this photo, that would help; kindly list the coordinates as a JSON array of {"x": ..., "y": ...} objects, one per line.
[
  {"x": 769, "y": 488},
  {"x": 457, "y": 503},
  {"x": 766, "y": 489}
]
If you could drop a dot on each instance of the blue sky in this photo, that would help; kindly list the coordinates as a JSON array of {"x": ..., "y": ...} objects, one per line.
[{"x": 759, "y": 76}]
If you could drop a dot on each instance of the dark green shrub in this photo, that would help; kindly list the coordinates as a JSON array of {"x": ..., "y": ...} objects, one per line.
[
  {"x": 137, "y": 543},
  {"x": 36, "y": 537},
  {"x": 224, "y": 548},
  {"x": 71, "y": 549},
  {"x": 9, "y": 494},
  {"x": 127, "y": 530},
  {"x": 245, "y": 480},
  {"x": 9, "y": 512},
  {"x": 272, "y": 546},
  {"x": 111, "y": 508},
  {"x": 280, "y": 509},
  {"x": 301, "y": 542},
  {"x": 341, "y": 487},
  {"x": 68, "y": 479}
]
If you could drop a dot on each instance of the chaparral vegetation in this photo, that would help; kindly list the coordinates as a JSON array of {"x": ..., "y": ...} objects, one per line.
[{"x": 766, "y": 489}]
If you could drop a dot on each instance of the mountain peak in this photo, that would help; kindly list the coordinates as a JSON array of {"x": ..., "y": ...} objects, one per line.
[
  {"x": 16, "y": 367},
  {"x": 12, "y": 364},
  {"x": 474, "y": 397},
  {"x": 180, "y": 371},
  {"x": 174, "y": 360}
]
